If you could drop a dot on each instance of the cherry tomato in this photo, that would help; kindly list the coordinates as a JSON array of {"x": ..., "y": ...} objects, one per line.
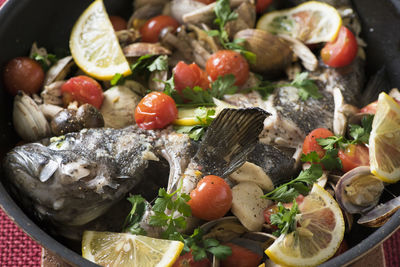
[
  {"x": 189, "y": 76},
  {"x": 371, "y": 107},
  {"x": 226, "y": 62},
  {"x": 354, "y": 156},
  {"x": 211, "y": 199},
  {"x": 155, "y": 111},
  {"x": 187, "y": 260},
  {"x": 342, "y": 51},
  {"x": 241, "y": 257},
  {"x": 23, "y": 73},
  {"x": 310, "y": 142},
  {"x": 153, "y": 27},
  {"x": 262, "y": 5},
  {"x": 207, "y": 2},
  {"x": 118, "y": 23},
  {"x": 84, "y": 90}
]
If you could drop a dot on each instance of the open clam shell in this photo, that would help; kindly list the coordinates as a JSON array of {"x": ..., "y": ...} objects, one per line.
[{"x": 380, "y": 214}]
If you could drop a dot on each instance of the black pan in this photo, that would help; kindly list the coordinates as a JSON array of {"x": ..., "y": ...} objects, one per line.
[{"x": 49, "y": 22}]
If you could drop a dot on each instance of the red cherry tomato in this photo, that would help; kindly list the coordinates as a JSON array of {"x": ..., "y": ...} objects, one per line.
[
  {"x": 207, "y": 2},
  {"x": 262, "y": 5},
  {"x": 241, "y": 257},
  {"x": 354, "y": 156},
  {"x": 118, "y": 23},
  {"x": 153, "y": 27},
  {"x": 187, "y": 260},
  {"x": 211, "y": 199},
  {"x": 310, "y": 142},
  {"x": 342, "y": 51},
  {"x": 370, "y": 108},
  {"x": 23, "y": 73},
  {"x": 189, "y": 76},
  {"x": 155, "y": 111},
  {"x": 84, "y": 90},
  {"x": 226, "y": 62}
]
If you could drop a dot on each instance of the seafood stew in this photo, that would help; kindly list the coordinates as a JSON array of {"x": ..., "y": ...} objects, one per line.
[{"x": 304, "y": 127}]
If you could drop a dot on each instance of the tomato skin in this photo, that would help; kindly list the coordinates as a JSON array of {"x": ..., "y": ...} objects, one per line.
[
  {"x": 207, "y": 2},
  {"x": 23, "y": 73},
  {"x": 189, "y": 76},
  {"x": 211, "y": 199},
  {"x": 241, "y": 257},
  {"x": 226, "y": 62},
  {"x": 342, "y": 51},
  {"x": 155, "y": 111},
  {"x": 354, "y": 156},
  {"x": 187, "y": 260},
  {"x": 262, "y": 5},
  {"x": 370, "y": 108},
  {"x": 153, "y": 27},
  {"x": 84, "y": 90},
  {"x": 118, "y": 23},
  {"x": 310, "y": 142}
]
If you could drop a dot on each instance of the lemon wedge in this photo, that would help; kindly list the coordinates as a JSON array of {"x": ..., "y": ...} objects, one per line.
[
  {"x": 384, "y": 141},
  {"x": 318, "y": 236},
  {"x": 121, "y": 249},
  {"x": 94, "y": 45},
  {"x": 311, "y": 22}
]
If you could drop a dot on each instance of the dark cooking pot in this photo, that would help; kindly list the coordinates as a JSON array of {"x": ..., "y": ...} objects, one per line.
[{"x": 49, "y": 23}]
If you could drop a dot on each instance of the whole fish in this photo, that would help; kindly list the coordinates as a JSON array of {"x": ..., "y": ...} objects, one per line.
[{"x": 72, "y": 180}]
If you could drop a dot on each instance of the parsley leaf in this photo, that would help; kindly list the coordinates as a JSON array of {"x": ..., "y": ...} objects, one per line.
[
  {"x": 307, "y": 88},
  {"x": 224, "y": 85},
  {"x": 290, "y": 190},
  {"x": 45, "y": 61},
  {"x": 285, "y": 219},
  {"x": 331, "y": 161},
  {"x": 310, "y": 157},
  {"x": 117, "y": 79},
  {"x": 205, "y": 117},
  {"x": 149, "y": 63},
  {"x": 224, "y": 15},
  {"x": 332, "y": 142},
  {"x": 361, "y": 133},
  {"x": 159, "y": 64},
  {"x": 132, "y": 221}
]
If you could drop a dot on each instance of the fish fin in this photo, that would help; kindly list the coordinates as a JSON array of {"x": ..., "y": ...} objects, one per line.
[
  {"x": 229, "y": 139},
  {"x": 376, "y": 84}
]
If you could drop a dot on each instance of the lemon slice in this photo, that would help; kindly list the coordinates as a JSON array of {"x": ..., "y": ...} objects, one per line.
[
  {"x": 94, "y": 45},
  {"x": 311, "y": 22},
  {"x": 318, "y": 236},
  {"x": 120, "y": 249},
  {"x": 384, "y": 141}
]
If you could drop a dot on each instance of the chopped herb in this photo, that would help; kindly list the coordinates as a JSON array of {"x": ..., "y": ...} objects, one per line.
[
  {"x": 45, "y": 61},
  {"x": 196, "y": 132},
  {"x": 311, "y": 157},
  {"x": 361, "y": 133},
  {"x": 149, "y": 63},
  {"x": 132, "y": 221},
  {"x": 117, "y": 79},
  {"x": 307, "y": 88},
  {"x": 223, "y": 85},
  {"x": 224, "y": 14},
  {"x": 159, "y": 64},
  {"x": 332, "y": 142},
  {"x": 290, "y": 190},
  {"x": 285, "y": 219},
  {"x": 265, "y": 88},
  {"x": 330, "y": 160}
]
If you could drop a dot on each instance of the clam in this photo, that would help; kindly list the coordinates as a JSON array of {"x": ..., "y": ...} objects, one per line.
[
  {"x": 358, "y": 191},
  {"x": 29, "y": 121},
  {"x": 59, "y": 70},
  {"x": 273, "y": 54},
  {"x": 141, "y": 49},
  {"x": 52, "y": 93},
  {"x": 380, "y": 214}
]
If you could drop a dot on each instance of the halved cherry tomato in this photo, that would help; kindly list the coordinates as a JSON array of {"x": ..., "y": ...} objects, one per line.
[
  {"x": 342, "y": 51},
  {"x": 187, "y": 260},
  {"x": 153, "y": 27},
  {"x": 207, "y": 2},
  {"x": 226, "y": 62},
  {"x": 84, "y": 90},
  {"x": 241, "y": 257},
  {"x": 155, "y": 111},
  {"x": 262, "y": 5},
  {"x": 23, "y": 73},
  {"x": 189, "y": 76},
  {"x": 310, "y": 142},
  {"x": 118, "y": 23},
  {"x": 211, "y": 199},
  {"x": 354, "y": 156}
]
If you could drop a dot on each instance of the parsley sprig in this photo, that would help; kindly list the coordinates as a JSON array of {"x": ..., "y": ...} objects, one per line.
[
  {"x": 330, "y": 160},
  {"x": 224, "y": 14},
  {"x": 45, "y": 61},
  {"x": 205, "y": 117},
  {"x": 285, "y": 219},
  {"x": 132, "y": 221},
  {"x": 300, "y": 185}
]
